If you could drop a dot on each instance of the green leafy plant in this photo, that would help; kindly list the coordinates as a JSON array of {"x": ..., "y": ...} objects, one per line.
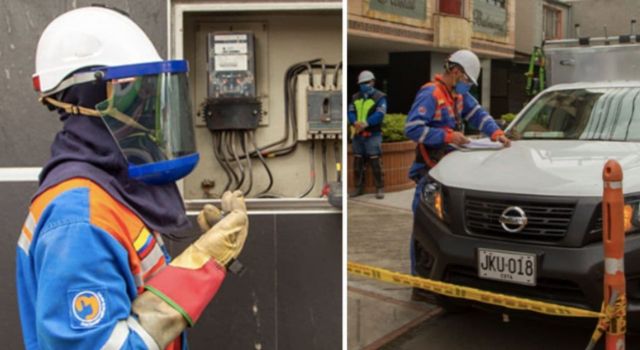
[
  {"x": 393, "y": 128},
  {"x": 508, "y": 118}
]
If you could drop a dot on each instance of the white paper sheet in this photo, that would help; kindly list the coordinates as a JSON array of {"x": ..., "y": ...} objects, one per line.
[{"x": 479, "y": 144}]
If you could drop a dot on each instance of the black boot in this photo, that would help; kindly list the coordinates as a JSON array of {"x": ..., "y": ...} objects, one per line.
[
  {"x": 378, "y": 176},
  {"x": 358, "y": 175}
]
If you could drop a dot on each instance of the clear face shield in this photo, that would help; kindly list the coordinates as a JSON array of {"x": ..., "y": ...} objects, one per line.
[{"x": 148, "y": 112}]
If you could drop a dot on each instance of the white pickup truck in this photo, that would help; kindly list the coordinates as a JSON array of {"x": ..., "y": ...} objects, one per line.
[{"x": 526, "y": 220}]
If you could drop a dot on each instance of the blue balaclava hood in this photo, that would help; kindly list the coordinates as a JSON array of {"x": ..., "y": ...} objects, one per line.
[{"x": 85, "y": 148}]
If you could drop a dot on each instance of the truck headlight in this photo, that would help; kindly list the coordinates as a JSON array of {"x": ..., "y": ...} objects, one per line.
[
  {"x": 432, "y": 195},
  {"x": 631, "y": 216}
]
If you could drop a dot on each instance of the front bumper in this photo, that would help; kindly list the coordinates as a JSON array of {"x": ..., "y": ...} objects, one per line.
[{"x": 570, "y": 276}]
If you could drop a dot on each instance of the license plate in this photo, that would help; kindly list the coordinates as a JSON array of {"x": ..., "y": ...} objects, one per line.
[{"x": 507, "y": 266}]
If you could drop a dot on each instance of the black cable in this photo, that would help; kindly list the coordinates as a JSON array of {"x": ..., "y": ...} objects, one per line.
[
  {"x": 335, "y": 73},
  {"x": 233, "y": 177},
  {"x": 323, "y": 79},
  {"x": 308, "y": 64},
  {"x": 227, "y": 149},
  {"x": 324, "y": 162},
  {"x": 217, "y": 138},
  {"x": 248, "y": 159},
  {"x": 232, "y": 143},
  {"x": 312, "y": 173},
  {"x": 264, "y": 163}
]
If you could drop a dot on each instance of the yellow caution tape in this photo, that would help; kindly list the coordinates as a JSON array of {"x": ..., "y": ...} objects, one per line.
[{"x": 468, "y": 293}]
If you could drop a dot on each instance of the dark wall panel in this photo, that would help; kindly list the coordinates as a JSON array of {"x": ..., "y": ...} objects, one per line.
[
  {"x": 290, "y": 295},
  {"x": 14, "y": 202},
  {"x": 242, "y": 315},
  {"x": 309, "y": 279}
]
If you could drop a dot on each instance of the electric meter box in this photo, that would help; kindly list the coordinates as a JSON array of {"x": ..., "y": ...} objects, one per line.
[
  {"x": 232, "y": 103},
  {"x": 231, "y": 63}
]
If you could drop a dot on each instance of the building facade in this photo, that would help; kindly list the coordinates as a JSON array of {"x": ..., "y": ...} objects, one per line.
[{"x": 405, "y": 42}]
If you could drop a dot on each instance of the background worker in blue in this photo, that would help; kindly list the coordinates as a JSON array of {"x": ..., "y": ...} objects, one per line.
[
  {"x": 436, "y": 122},
  {"x": 92, "y": 268},
  {"x": 366, "y": 113}
]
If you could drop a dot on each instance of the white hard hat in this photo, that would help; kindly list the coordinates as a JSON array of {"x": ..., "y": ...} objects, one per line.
[
  {"x": 469, "y": 62},
  {"x": 86, "y": 37},
  {"x": 365, "y": 76}
]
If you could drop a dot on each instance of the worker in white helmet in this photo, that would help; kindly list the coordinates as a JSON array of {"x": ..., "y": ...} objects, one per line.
[
  {"x": 436, "y": 123},
  {"x": 366, "y": 113},
  {"x": 92, "y": 269}
]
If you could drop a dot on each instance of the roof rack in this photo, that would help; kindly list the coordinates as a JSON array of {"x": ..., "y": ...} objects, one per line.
[{"x": 588, "y": 41}]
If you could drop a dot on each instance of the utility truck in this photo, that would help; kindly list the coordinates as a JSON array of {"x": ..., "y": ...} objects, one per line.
[{"x": 526, "y": 220}]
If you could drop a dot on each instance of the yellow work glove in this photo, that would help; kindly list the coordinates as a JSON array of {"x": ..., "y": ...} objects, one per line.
[
  {"x": 208, "y": 216},
  {"x": 222, "y": 242}
]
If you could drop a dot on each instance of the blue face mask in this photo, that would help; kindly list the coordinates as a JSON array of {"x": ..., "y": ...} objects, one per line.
[
  {"x": 462, "y": 87},
  {"x": 366, "y": 89}
]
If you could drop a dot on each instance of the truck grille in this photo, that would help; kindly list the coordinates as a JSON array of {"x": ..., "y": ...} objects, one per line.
[{"x": 546, "y": 221}]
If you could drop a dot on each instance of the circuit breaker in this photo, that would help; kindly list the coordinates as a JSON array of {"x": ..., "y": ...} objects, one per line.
[
  {"x": 319, "y": 105},
  {"x": 324, "y": 112},
  {"x": 232, "y": 102}
]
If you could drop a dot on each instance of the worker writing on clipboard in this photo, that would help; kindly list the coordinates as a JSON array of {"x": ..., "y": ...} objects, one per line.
[{"x": 435, "y": 121}]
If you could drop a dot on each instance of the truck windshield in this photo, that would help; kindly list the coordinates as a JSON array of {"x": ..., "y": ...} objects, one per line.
[{"x": 609, "y": 114}]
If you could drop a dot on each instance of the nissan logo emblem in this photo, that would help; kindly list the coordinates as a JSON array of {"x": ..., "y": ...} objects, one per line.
[{"x": 513, "y": 219}]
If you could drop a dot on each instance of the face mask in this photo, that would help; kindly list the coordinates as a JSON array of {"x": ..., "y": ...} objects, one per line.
[
  {"x": 462, "y": 87},
  {"x": 366, "y": 89}
]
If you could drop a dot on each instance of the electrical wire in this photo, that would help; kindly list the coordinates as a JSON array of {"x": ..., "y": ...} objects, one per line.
[
  {"x": 323, "y": 79},
  {"x": 312, "y": 172},
  {"x": 225, "y": 162},
  {"x": 264, "y": 164},
  {"x": 324, "y": 162},
  {"x": 232, "y": 142},
  {"x": 244, "y": 135},
  {"x": 217, "y": 139},
  {"x": 335, "y": 74}
]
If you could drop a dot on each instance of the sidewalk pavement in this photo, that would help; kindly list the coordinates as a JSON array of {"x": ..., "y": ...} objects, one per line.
[
  {"x": 378, "y": 234},
  {"x": 397, "y": 200}
]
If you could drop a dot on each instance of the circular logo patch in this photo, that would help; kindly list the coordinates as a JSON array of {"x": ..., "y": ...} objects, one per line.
[{"x": 88, "y": 308}]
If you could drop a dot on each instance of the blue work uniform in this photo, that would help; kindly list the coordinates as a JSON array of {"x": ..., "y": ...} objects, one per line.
[
  {"x": 82, "y": 258},
  {"x": 435, "y": 114}
]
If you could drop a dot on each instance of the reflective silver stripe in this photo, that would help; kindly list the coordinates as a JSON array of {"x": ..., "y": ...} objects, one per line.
[
  {"x": 414, "y": 123},
  {"x": 471, "y": 113},
  {"x": 424, "y": 134},
  {"x": 152, "y": 258},
  {"x": 30, "y": 224},
  {"x": 24, "y": 243},
  {"x": 142, "y": 333},
  {"x": 484, "y": 120},
  {"x": 28, "y": 174},
  {"x": 118, "y": 336},
  {"x": 138, "y": 279},
  {"x": 611, "y": 266},
  {"x": 159, "y": 239},
  {"x": 614, "y": 185}
]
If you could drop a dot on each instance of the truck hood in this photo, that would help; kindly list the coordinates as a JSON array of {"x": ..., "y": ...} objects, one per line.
[{"x": 541, "y": 167}]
